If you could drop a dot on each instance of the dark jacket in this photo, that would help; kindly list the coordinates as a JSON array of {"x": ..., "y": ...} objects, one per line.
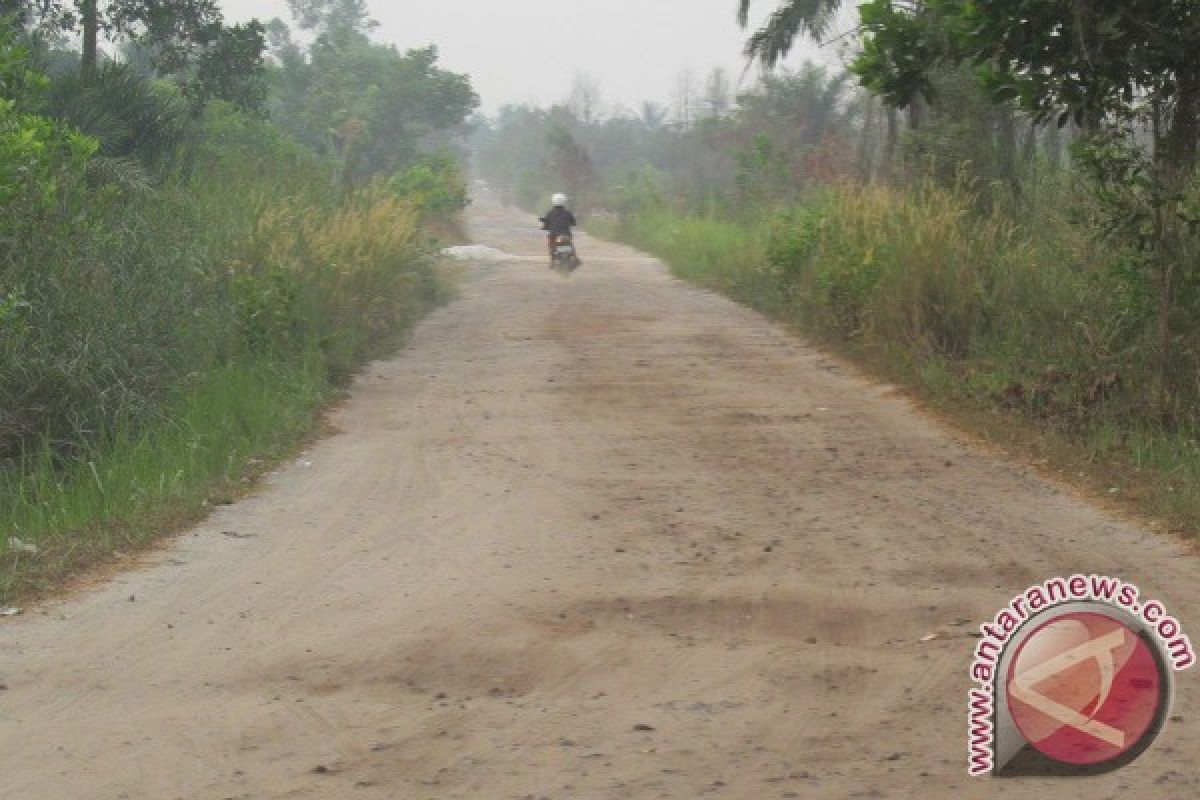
[{"x": 558, "y": 220}]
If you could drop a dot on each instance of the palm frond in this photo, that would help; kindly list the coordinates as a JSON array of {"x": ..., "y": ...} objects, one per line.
[
  {"x": 794, "y": 18},
  {"x": 124, "y": 172},
  {"x": 129, "y": 115}
]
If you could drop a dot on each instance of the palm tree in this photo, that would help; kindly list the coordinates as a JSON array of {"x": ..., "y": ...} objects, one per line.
[
  {"x": 791, "y": 19},
  {"x": 812, "y": 18},
  {"x": 140, "y": 127}
]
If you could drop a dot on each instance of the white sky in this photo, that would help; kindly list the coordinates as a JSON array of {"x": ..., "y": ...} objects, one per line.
[{"x": 530, "y": 50}]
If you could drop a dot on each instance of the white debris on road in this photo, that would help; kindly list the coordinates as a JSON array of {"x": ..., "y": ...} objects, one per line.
[{"x": 476, "y": 252}]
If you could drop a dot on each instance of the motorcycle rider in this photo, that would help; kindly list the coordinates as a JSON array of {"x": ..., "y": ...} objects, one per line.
[{"x": 557, "y": 222}]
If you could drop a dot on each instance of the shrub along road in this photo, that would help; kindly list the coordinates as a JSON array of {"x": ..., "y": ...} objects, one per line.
[{"x": 600, "y": 537}]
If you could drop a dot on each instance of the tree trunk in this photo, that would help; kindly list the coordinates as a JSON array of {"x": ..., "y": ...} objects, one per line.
[
  {"x": 866, "y": 171},
  {"x": 1054, "y": 145},
  {"x": 1029, "y": 158},
  {"x": 91, "y": 34},
  {"x": 1006, "y": 131},
  {"x": 1183, "y": 136},
  {"x": 1029, "y": 153},
  {"x": 888, "y": 162},
  {"x": 913, "y": 153},
  {"x": 916, "y": 113}
]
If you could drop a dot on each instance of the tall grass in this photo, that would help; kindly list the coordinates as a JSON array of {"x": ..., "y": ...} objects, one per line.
[
  {"x": 1034, "y": 317},
  {"x": 339, "y": 279},
  {"x": 720, "y": 254},
  {"x": 152, "y": 342},
  {"x": 132, "y": 483}
]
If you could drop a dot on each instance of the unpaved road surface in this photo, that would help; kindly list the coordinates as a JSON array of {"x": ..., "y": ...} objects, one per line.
[{"x": 599, "y": 537}]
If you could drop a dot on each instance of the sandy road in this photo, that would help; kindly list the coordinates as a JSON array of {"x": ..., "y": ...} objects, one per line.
[{"x": 570, "y": 508}]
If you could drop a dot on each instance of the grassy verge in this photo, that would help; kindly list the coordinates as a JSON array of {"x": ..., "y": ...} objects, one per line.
[
  {"x": 126, "y": 489},
  {"x": 1031, "y": 334},
  {"x": 160, "y": 346},
  {"x": 214, "y": 437}
]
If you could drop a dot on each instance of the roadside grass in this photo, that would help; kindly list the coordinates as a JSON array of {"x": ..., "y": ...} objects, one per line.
[
  {"x": 209, "y": 444},
  {"x": 168, "y": 345},
  {"x": 1028, "y": 331},
  {"x": 719, "y": 254}
]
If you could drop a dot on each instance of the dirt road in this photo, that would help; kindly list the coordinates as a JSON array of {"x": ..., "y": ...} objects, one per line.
[{"x": 599, "y": 537}]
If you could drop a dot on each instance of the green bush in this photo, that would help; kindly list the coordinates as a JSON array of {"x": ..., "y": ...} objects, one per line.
[{"x": 435, "y": 183}]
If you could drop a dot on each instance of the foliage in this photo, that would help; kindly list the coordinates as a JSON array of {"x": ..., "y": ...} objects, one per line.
[
  {"x": 152, "y": 314},
  {"x": 338, "y": 20},
  {"x": 901, "y": 48},
  {"x": 637, "y": 193},
  {"x": 308, "y": 269},
  {"x": 366, "y": 105},
  {"x": 799, "y": 107},
  {"x": 185, "y": 40},
  {"x": 177, "y": 32},
  {"x": 39, "y": 162},
  {"x": 435, "y": 184},
  {"x": 762, "y": 172},
  {"x": 19, "y": 81},
  {"x": 129, "y": 116},
  {"x": 1065, "y": 60},
  {"x": 702, "y": 248},
  {"x": 129, "y": 322},
  {"x": 774, "y": 40},
  {"x": 569, "y": 163},
  {"x": 231, "y": 68},
  {"x": 1125, "y": 73}
]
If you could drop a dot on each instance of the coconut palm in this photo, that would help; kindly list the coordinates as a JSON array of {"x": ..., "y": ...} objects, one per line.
[{"x": 793, "y": 18}]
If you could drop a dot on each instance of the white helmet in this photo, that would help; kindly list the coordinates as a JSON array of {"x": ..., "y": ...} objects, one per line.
[{"x": 559, "y": 199}]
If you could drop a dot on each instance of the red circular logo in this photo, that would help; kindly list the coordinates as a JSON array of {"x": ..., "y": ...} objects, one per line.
[{"x": 1084, "y": 688}]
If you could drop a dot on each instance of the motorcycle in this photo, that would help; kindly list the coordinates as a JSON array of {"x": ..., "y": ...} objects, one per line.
[{"x": 565, "y": 257}]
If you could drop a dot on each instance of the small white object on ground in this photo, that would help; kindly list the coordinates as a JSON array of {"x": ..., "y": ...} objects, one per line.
[
  {"x": 476, "y": 252},
  {"x": 9, "y": 612},
  {"x": 17, "y": 546}
]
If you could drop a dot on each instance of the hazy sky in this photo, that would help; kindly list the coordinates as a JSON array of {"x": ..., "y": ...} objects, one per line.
[{"x": 530, "y": 50}]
